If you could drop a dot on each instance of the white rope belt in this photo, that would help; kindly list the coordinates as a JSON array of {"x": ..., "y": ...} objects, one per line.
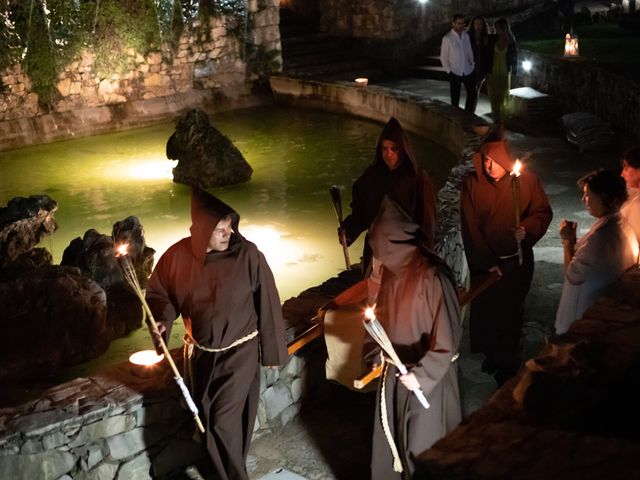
[
  {"x": 190, "y": 344},
  {"x": 397, "y": 463}
]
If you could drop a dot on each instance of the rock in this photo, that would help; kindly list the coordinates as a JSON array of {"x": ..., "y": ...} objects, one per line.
[
  {"x": 94, "y": 255},
  {"x": 207, "y": 158},
  {"x": 59, "y": 321},
  {"x": 24, "y": 222}
]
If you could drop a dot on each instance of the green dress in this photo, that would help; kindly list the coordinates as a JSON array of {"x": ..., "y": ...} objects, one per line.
[{"x": 499, "y": 83}]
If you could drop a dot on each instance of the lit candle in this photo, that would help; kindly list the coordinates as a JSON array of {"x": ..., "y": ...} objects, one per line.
[{"x": 362, "y": 82}]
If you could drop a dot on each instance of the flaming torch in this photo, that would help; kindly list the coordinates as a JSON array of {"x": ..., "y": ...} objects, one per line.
[
  {"x": 132, "y": 279},
  {"x": 374, "y": 328},
  {"x": 515, "y": 188}
]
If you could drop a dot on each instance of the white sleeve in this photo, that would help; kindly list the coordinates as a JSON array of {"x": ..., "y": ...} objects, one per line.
[{"x": 444, "y": 54}]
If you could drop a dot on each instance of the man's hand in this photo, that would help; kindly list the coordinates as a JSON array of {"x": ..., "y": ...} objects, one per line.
[
  {"x": 519, "y": 233},
  {"x": 409, "y": 380}
]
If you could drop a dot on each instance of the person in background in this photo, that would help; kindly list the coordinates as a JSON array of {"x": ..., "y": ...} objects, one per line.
[
  {"x": 417, "y": 305},
  {"x": 456, "y": 57},
  {"x": 502, "y": 63},
  {"x": 223, "y": 287},
  {"x": 601, "y": 255},
  {"x": 395, "y": 172},
  {"x": 479, "y": 38},
  {"x": 490, "y": 237},
  {"x": 630, "y": 210}
]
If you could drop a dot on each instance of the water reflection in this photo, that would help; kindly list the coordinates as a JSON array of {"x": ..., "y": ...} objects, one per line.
[{"x": 285, "y": 208}]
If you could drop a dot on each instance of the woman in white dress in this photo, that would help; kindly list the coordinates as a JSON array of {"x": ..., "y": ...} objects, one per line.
[
  {"x": 599, "y": 257},
  {"x": 630, "y": 211}
]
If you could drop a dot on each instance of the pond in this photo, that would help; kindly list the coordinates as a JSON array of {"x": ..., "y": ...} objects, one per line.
[{"x": 285, "y": 208}]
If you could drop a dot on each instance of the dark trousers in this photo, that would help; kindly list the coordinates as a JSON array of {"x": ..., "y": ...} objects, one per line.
[
  {"x": 470, "y": 87},
  {"x": 496, "y": 317}
]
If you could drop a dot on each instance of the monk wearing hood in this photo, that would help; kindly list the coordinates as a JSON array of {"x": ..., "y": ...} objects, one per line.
[
  {"x": 396, "y": 173},
  {"x": 222, "y": 286},
  {"x": 490, "y": 236},
  {"x": 417, "y": 305}
]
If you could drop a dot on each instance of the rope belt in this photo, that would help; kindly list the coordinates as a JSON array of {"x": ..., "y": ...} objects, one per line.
[
  {"x": 397, "y": 463},
  {"x": 190, "y": 344}
]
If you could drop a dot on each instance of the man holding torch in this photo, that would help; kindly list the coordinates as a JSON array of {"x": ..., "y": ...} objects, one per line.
[
  {"x": 395, "y": 172},
  {"x": 503, "y": 214},
  {"x": 222, "y": 286},
  {"x": 417, "y": 309}
]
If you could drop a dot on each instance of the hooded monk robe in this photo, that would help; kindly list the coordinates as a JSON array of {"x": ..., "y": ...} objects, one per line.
[
  {"x": 408, "y": 185},
  {"x": 222, "y": 297},
  {"x": 418, "y": 307},
  {"x": 487, "y": 215}
]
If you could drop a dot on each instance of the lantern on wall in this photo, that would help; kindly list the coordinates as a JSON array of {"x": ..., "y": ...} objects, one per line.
[{"x": 571, "y": 45}]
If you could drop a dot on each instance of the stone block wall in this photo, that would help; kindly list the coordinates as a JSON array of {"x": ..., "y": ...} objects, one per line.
[
  {"x": 128, "y": 422},
  {"x": 584, "y": 88},
  {"x": 214, "y": 61}
]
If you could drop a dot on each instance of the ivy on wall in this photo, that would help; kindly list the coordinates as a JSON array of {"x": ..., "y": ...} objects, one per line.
[{"x": 46, "y": 35}]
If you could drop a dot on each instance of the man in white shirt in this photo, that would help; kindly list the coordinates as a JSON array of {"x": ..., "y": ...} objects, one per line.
[{"x": 457, "y": 59}]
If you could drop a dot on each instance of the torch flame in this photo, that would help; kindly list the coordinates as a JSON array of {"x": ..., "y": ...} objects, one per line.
[
  {"x": 122, "y": 249},
  {"x": 145, "y": 357},
  {"x": 516, "y": 168},
  {"x": 369, "y": 313}
]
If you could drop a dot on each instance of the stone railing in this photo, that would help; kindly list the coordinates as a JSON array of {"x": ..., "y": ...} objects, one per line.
[
  {"x": 203, "y": 71},
  {"x": 571, "y": 412},
  {"x": 578, "y": 86}
]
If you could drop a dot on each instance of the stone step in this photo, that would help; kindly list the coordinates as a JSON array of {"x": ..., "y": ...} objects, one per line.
[
  {"x": 432, "y": 72},
  {"x": 347, "y": 71}
]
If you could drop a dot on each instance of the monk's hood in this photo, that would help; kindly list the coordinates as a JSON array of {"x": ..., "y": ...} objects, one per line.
[
  {"x": 393, "y": 131},
  {"x": 206, "y": 212},
  {"x": 393, "y": 236},
  {"x": 498, "y": 151}
]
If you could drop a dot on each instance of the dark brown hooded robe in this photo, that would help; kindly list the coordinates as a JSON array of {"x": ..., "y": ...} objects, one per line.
[
  {"x": 222, "y": 297},
  {"x": 487, "y": 213},
  {"x": 408, "y": 185},
  {"x": 418, "y": 308}
]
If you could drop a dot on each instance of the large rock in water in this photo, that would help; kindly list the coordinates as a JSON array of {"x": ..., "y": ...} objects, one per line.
[
  {"x": 24, "y": 222},
  {"x": 52, "y": 317},
  {"x": 206, "y": 157},
  {"x": 94, "y": 255}
]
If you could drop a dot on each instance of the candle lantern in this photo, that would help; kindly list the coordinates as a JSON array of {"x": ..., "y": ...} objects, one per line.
[
  {"x": 571, "y": 45},
  {"x": 362, "y": 82}
]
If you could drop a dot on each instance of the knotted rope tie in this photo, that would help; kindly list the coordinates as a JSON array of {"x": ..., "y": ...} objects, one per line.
[
  {"x": 190, "y": 344},
  {"x": 397, "y": 463}
]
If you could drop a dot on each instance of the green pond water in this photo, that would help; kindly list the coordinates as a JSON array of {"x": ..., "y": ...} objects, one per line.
[{"x": 285, "y": 208}]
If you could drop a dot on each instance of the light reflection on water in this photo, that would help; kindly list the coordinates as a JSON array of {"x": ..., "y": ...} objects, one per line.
[{"x": 296, "y": 156}]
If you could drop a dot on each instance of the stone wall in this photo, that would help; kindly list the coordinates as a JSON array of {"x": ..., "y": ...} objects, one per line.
[
  {"x": 207, "y": 70},
  {"x": 584, "y": 88},
  {"x": 128, "y": 422}
]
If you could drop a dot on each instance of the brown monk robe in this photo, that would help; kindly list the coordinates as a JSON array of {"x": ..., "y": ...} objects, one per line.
[
  {"x": 398, "y": 175},
  {"x": 487, "y": 212},
  {"x": 417, "y": 305},
  {"x": 222, "y": 286}
]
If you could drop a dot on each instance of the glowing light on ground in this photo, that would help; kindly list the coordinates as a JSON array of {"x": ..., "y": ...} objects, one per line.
[
  {"x": 145, "y": 357},
  {"x": 150, "y": 169}
]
